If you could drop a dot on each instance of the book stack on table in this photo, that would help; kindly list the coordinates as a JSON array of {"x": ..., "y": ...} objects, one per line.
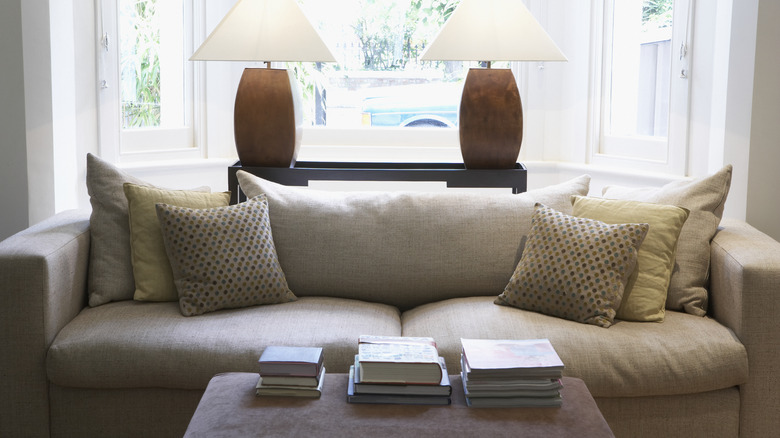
[
  {"x": 511, "y": 373},
  {"x": 291, "y": 371},
  {"x": 398, "y": 370}
]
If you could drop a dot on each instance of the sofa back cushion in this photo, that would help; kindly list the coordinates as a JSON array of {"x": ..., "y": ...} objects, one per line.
[{"x": 401, "y": 248}]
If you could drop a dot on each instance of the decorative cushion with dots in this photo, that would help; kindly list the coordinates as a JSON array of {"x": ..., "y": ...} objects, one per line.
[
  {"x": 224, "y": 257},
  {"x": 644, "y": 297},
  {"x": 574, "y": 268}
]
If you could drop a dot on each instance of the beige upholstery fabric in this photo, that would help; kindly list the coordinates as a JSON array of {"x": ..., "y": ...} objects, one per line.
[
  {"x": 700, "y": 415},
  {"x": 745, "y": 298},
  {"x": 132, "y": 413},
  {"x": 43, "y": 275},
  {"x": 629, "y": 359},
  {"x": 124, "y": 335},
  {"x": 406, "y": 248},
  {"x": 705, "y": 198},
  {"x": 110, "y": 266}
]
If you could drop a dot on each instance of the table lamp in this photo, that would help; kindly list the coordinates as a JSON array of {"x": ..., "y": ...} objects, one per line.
[
  {"x": 491, "y": 114},
  {"x": 267, "y": 117}
]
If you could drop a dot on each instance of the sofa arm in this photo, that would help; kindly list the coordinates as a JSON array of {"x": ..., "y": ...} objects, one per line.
[
  {"x": 43, "y": 274},
  {"x": 745, "y": 296}
]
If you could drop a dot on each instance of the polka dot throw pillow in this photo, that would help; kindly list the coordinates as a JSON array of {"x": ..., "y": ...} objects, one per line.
[
  {"x": 574, "y": 268},
  {"x": 223, "y": 257}
]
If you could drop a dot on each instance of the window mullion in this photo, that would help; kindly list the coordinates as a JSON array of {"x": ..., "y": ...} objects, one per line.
[
  {"x": 659, "y": 140},
  {"x": 108, "y": 80}
]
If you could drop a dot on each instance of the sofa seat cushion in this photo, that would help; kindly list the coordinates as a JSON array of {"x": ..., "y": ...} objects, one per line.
[
  {"x": 684, "y": 354},
  {"x": 130, "y": 344}
]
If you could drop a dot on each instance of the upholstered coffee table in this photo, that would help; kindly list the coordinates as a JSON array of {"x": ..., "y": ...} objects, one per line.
[{"x": 229, "y": 408}]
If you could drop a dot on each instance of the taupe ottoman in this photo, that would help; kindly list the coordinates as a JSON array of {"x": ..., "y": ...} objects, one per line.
[{"x": 229, "y": 408}]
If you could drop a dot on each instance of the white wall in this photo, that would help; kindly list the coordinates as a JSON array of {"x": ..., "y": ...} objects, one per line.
[
  {"x": 38, "y": 108},
  {"x": 13, "y": 144},
  {"x": 763, "y": 202}
]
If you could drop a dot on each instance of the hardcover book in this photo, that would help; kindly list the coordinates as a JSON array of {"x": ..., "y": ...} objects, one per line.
[
  {"x": 291, "y": 361},
  {"x": 353, "y": 397},
  {"x": 443, "y": 388},
  {"x": 263, "y": 389},
  {"x": 397, "y": 359}
]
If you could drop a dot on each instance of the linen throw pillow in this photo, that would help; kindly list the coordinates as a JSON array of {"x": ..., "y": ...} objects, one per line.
[
  {"x": 574, "y": 268},
  {"x": 110, "y": 275},
  {"x": 223, "y": 257},
  {"x": 644, "y": 298},
  {"x": 151, "y": 268},
  {"x": 705, "y": 198}
]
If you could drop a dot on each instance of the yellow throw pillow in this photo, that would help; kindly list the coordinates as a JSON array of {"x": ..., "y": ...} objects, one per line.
[
  {"x": 705, "y": 198},
  {"x": 151, "y": 269},
  {"x": 644, "y": 298}
]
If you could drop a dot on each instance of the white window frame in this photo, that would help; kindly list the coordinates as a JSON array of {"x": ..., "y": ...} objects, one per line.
[
  {"x": 637, "y": 152},
  {"x": 388, "y": 144},
  {"x": 147, "y": 144}
]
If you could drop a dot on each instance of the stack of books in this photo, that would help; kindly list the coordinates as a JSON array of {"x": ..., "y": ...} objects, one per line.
[
  {"x": 511, "y": 373},
  {"x": 398, "y": 370},
  {"x": 291, "y": 371}
]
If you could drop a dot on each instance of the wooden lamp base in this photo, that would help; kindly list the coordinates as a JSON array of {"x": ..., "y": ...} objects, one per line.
[
  {"x": 491, "y": 119},
  {"x": 267, "y": 118}
]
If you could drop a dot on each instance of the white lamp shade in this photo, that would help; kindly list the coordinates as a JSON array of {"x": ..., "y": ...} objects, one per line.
[
  {"x": 264, "y": 30},
  {"x": 492, "y": 30}
]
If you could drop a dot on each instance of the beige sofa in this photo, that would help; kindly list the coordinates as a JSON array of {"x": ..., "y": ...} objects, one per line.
[{"x": 386, "y": 264}]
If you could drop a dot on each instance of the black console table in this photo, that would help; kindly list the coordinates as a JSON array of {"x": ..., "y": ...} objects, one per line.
[{"x": 454, "y": 174}]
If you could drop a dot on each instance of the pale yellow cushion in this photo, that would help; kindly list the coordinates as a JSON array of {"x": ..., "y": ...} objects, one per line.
[
  {"x": 573, "y": 267},
  {"x": 645, "y": 296},
  {"x": 151, "y": 269},
  {"x": 705, "y": 198}
]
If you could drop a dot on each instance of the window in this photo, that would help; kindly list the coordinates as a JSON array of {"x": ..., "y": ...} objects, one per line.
[
  {"x": 147, "y": 84},
  {"x": 642, "y": 105},
  {"x": 379, "y": 81}
]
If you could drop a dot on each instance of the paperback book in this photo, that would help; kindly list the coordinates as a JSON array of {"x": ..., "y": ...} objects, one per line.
[
  {"x": 400, "y": 360},
  {"x": 291, "y": 361},
  {"x": 518, "y": 373},
  {"x": 485, "y": 358},
  {"x": 514, "y": 402}
]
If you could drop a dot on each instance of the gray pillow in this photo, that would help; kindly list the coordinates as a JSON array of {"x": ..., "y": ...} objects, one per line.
[{"x": 110, "y": 267}]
